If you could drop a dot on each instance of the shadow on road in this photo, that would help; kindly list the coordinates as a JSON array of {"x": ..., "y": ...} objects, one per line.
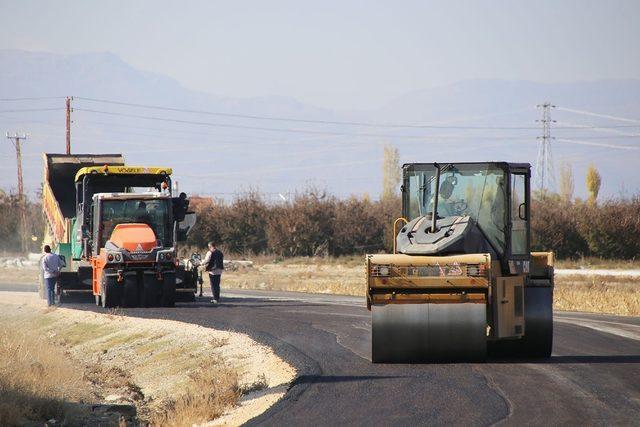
[
  {"x": 567, "y": 360},
  {"x": 318, "y": 379}
]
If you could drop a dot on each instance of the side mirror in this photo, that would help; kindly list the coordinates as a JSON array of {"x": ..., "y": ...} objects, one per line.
[
  {"x": 185, "y": 226},
  {"x": 522, "y": 211}
]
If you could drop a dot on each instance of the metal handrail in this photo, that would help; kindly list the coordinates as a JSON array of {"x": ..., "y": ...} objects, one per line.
[{"x": 395, "y": 231}]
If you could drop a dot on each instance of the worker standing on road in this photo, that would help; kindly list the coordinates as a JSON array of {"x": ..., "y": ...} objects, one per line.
[
  {"x": 51, "y": 266},
  {"x": 214, "y": 264}
]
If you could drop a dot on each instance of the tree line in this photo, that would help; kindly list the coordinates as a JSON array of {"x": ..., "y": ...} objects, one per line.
[{"x": 315, "y": 223}]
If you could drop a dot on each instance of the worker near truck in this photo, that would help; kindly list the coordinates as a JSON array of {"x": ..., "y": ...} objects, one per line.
[
  {"x": 214, "y": 264},
  {"x": 51, "y": 266}
]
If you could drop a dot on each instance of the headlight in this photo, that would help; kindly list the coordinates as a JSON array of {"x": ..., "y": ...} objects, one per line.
[
  {"x": 165, "y": 255},
  {"x": 114, "y": 257},
  {"x": 380, "y": 270}
]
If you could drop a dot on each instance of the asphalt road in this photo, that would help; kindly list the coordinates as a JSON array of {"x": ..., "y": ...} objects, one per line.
[{"x": 593, "y": 377}]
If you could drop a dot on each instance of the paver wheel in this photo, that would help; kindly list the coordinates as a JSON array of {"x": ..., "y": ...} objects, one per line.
[
  {"x": 168, "y": 290},
  {"x": 130, "y": 297},
  {"x": 150, "y": 290},
  {"x": 110, "y": 295}
]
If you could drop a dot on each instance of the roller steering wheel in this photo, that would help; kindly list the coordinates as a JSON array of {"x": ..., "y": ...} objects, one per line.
[{"x": 459, "y": 207}]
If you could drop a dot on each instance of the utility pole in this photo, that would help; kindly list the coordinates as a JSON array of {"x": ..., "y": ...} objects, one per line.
[
  {"x": 22, "y": 202},
  {"x": 69, "y": 98},
  {"x": 545, "y": 177}
]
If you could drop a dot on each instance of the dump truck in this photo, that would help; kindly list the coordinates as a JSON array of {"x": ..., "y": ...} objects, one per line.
[
  {"x": 461, "y": 279},
  {"x": 116, "y": 227}
]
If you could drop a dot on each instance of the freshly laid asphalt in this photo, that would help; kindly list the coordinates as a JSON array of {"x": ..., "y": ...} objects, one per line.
[{"x": 592, "y": 378}]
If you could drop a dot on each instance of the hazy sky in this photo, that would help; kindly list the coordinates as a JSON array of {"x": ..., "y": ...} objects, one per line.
[{"x": 341, "y": 54}]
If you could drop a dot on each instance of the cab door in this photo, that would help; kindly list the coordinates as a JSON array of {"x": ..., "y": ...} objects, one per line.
[{"x": 519, "y": 214}]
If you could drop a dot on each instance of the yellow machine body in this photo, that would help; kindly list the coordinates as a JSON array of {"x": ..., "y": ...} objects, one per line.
[{"x": 454, "y": 306}]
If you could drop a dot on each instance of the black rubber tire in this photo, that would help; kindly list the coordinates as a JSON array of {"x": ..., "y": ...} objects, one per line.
[
  {"x": 130, "y": 294},
  {"x": 110, "y": 296},
  {"x": 168, "y": 298},
  {"x": 185, "y": 297},
  {"x": 150, "y": 291},
  {"x": 537, "y": 341}
]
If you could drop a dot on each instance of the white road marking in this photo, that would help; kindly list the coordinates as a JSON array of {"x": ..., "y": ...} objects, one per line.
[
  {"x": 594, "y": 272},
  {"x": 603, "y": 326},
  {"x": 365, "y": 316}
]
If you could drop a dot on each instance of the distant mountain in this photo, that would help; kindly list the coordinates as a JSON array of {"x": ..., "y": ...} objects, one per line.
[{"x": 221, "y": 153}]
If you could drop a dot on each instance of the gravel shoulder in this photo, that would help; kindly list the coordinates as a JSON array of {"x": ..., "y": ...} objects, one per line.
[{"x": 148, "y": 363}]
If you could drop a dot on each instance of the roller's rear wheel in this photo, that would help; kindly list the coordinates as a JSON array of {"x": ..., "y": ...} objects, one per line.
[{"x": 537, "y": 341}]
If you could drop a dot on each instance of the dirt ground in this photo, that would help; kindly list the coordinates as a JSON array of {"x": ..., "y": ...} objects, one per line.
[{"x": 157, "y": 366}]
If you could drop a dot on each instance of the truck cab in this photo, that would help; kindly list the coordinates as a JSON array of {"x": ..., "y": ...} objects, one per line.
[{"x": 119, "y": 227}]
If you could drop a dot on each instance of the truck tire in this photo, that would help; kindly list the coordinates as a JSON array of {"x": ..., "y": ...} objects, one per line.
[
  {"x": 110, "y": 295},
  {"x": 130, "y": 297},
  {"x": 185, "y": 297},
  {"x": 150, "y": 290},
  {"x": 168, "y": 290}
]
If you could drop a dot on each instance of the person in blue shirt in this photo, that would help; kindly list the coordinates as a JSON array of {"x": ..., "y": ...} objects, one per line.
[{"x": 51, "y": 266}]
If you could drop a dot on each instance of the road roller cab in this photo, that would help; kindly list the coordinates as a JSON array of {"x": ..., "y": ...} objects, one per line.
[{"x": 462, "y": 276}]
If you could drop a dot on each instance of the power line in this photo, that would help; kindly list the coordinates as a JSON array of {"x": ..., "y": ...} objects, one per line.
[
  {"x": 605, "y": 116},
  {"x": 597, "y": 144},
  {"x": 330, "y": 122},
  {"x": 33, "y": 98},
  {"x": 227, "y": 125},
  {"x": 29, "y": 110},
  {"x": 602, "y": 129},
  {"x": 290, "y": 119}
]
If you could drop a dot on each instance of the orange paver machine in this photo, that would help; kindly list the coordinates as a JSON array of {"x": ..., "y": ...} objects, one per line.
[{"x": 117, "y": 227}]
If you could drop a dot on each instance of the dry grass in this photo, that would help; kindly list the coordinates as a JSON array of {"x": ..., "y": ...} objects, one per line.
[
  {"x": 345, "y": 276},
  {"x": 50, "y": 364},
  {"x": 37, "y": 378},
  {"x": 210, "y": 391},
  {"x": 598, "y": 294}
]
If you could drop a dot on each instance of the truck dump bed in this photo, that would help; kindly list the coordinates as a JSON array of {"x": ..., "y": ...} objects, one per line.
[{"x": 59, "y": 193}]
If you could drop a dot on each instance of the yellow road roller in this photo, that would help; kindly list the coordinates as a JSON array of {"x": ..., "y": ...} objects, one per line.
[{"x": 461, "y": 279}]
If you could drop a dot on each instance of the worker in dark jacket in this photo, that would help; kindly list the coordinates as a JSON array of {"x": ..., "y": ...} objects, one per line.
[{"x": 214, "y": 264}]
